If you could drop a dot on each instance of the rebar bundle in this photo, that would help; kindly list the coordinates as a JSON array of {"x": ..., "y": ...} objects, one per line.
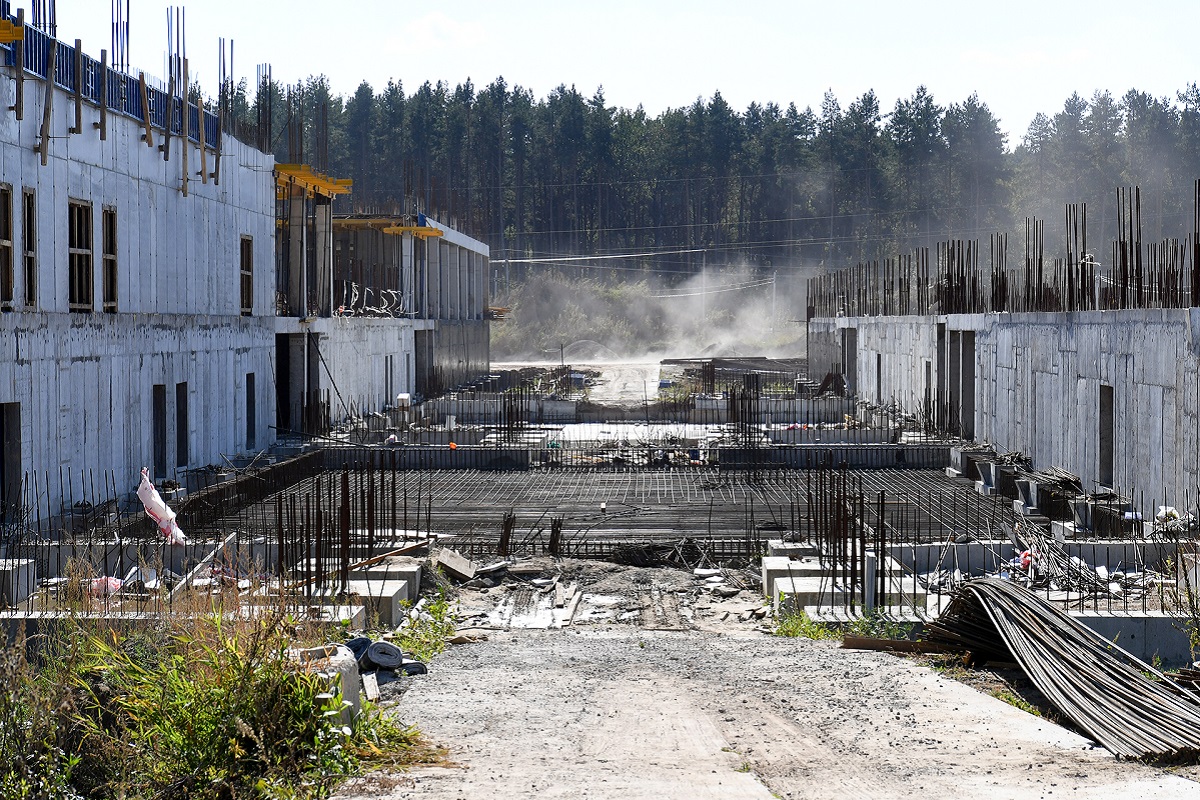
[{"x": 1102, "y": 689}]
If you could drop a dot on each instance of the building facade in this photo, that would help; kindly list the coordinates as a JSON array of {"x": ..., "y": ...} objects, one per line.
[
  {"x": 135, "y": 274},
  {"x": 170, "y": 297}
]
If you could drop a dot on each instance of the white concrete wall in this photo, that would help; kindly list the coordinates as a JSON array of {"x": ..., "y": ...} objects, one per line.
[
  {"x": 1039, "y": 378},
  {"x": 85, "y": 383},
  {"x": 84, "y": 380},
  {"x": 896, "y": 349},
  {"x": 355, "y": 355},
  {"x": 1037, "y": 387}
]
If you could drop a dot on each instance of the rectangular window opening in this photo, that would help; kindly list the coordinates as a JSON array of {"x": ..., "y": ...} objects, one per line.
[
  {"x": 11, "y": 473},
  {"x": 79, "y": 255},
  {"x": 247, "y": 274},
  {"x": 251, "y": 413},
  {"x": 159, "y": 430},
  {"x": 1107, "y": 431},
  {"x": 181, "y": 424},
  {"x": 109, "y": 225},
  {"x": 29, "y": 245},
  {"x": 7, "y": 289}
]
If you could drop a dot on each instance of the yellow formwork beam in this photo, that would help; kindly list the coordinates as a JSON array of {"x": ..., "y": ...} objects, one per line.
[
  {"x": 380, "y": 223},
  {"x": 11, "y": 32},
  {"x": 305, "y": 177},
  {"x": 420, "y": 231}
]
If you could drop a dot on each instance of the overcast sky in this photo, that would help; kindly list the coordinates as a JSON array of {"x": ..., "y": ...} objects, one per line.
[{"x": 1020, "y": 56}]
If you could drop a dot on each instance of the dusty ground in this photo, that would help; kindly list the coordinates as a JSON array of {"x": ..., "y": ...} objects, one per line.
[{"x": 616, "y": 706}]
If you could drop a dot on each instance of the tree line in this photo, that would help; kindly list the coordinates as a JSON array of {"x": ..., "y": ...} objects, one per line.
[{"x": 572, "y": 175}]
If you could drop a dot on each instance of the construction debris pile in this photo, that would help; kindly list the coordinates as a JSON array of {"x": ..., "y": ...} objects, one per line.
[
  {"x": 558, "y": 593},
  {"x": 1126, "y": 705}
]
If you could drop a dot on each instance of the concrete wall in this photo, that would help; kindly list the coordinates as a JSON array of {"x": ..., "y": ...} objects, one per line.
[
  {"x": 85, "y": 387},
  {"x": 450, "y": 353},
  {"x": 1032, "y": 382},
  {"x": 84, "y": 380},
  {"x": 895, "y": 349},
  {"x": 368, "y": 360}
]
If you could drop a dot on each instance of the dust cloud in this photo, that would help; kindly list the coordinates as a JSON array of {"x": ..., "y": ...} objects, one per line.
[{"x": 721, "y": 312}]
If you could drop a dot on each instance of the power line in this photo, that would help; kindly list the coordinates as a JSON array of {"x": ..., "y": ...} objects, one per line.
[
  {"x": 708, "y": 291},
  {"x": 597, "y": 258}
]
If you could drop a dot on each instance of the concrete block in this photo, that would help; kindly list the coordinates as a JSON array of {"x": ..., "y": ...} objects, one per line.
[
  {"x": 1062, "y": 530},
  {"x": 778, "y": 547},
  {"x": 405, "y": 572},
  {"x": 381, "y": 599},
  {"x": 18, "y": 579},
  {"x": 1023, "y": 510},
  {"x": 821, "y": 592},
  {"x": 776, "y": 567},
  {"x": 793, "y": 593},
  {"x": 400, "y": 568},
  {"x": 338, "y": 668},
  {"x": 455, "y": 565}
]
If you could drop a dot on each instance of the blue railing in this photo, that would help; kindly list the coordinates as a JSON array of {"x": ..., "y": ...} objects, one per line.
[{"x": 124, "y": 92}]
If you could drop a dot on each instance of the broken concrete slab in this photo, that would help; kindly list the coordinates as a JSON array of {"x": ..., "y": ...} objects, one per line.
[
  {"x": 455, "y": 565},
  {"x": 526, "y": 570}
]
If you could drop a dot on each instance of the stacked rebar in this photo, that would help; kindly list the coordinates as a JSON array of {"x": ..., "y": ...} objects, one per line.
[{"x": 1123, "y": 703}]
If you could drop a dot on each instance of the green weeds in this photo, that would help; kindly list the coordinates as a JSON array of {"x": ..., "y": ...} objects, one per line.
[
  {"x": 210, "y": 707},
  {"x": 425, "y": 635},
  {"x": 799, "y": 624}
]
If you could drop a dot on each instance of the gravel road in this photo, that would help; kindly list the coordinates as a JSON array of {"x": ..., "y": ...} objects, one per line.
[{"x": 615, "y": 711}]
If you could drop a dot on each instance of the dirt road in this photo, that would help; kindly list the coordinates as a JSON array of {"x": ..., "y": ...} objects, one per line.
[{"x": 621, "y": 712}]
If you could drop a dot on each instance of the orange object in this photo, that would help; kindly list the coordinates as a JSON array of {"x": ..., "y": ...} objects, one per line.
[{"x": 453, "y": 446}]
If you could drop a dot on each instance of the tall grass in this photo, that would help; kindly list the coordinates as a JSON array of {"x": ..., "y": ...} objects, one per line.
[{"x": 206, "y": 705}]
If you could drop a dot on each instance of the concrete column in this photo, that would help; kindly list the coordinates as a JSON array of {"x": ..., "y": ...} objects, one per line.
[
  {"x": 942, "y": 395},
  {"x": 435, "y": 278},
  {"x": 954, "y": 363},
  {"x": 295, "y": 255},
  {"x": 870, "y": 570},
  {"x": 324, "y": 255}
]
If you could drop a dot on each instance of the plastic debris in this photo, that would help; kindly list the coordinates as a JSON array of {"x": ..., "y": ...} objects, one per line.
[
  {"x": 162, "y": 514},
  {"x": 105, "y": 586}
]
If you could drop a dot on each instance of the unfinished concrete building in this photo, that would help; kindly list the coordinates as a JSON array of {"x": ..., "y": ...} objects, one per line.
[
  {"x": 171, "y": 297},
  {"x": 370, "y": 309},
  {"x": 1085, "y": 367},
  {"x": 135, "y": 275}
]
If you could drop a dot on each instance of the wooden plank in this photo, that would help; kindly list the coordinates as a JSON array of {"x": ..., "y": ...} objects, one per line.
[
  {"x": 850, "y": 642},
  {"x": 78, "y": 126},
  {"x": 103, "y": 123},
  {"x": 148, "y": 133},
  {"x": 370, "y": 686},
  {"x": 48, "y": 104},
  {"x": 203, "y": 149},
  {"x": 168, "y": 119},
  {"x": 18, "y": 106}
]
